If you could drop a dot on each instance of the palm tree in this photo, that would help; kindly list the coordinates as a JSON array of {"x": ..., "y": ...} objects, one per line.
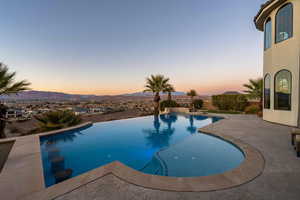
[
  {"x": 8, "y": 86},
  {"x": 255, "y": 89},
  {"x": 156, "y": 84},
  {"x": 192, "y": 94},
  {"x": 56, "y": 120},
  {"x": 169, "y": 89}
]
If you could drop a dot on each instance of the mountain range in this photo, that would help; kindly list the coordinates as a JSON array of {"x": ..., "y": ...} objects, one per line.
[
  {"x": 151, "y": 94},
  {"x": 45, "y": 95}
]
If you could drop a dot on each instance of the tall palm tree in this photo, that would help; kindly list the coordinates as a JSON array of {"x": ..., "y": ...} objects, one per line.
[
  {"x": 192, "y": 94},
  {"x": 156, "y": 84},
  {"x": 169, "y": 89},
  {"x": 8, "y": 86},
  {"x": 255, "y": 89}
]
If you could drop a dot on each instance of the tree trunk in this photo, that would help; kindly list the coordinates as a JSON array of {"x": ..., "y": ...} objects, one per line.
[
  {"x": 261, "y": 104},
  {"x": 169, "y": 96},
  {"x": 2, "y": 129},
  {"x": 3, "y": 110},
  {"x": 156, "y": 103},
  {"x": 192, "y": 105}
]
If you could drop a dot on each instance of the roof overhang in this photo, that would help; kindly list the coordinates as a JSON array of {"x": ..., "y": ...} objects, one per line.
[{"x": 265, "y": 11}]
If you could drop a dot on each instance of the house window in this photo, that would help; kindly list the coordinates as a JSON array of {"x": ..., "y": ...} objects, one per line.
[
  {"x": 267, "y": 93},
  {"x": 284, "y": 23},
  {"x": 283, "y": 90},
  {"x": 268, "y": 33}
]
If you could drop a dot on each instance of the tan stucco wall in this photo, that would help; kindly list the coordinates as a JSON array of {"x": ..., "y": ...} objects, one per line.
[{"x": 284, "y": 55}]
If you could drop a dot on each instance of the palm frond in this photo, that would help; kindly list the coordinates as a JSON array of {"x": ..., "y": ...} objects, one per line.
[
  {"x": 156, "y": 83},
  {"x": 254, "y": 88},
  {"x": 8, "y": 84}
]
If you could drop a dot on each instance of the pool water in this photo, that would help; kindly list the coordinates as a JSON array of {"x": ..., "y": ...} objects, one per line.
[{"x": 166, "y": 145}]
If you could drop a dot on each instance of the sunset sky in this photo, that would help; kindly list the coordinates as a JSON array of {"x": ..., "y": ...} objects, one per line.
[{"x": 111, "y": 46}]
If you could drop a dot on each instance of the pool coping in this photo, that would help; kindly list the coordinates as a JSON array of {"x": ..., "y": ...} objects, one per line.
[
  {"x": 22, "y": 173},
  {"x": 250, "y": 168},
  {"x": 6, "y": 152}
]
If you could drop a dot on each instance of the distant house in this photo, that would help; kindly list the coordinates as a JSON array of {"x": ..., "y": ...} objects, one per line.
[
  {"x": 97, "y": 110},
  {"x": 14, "y": 113},
  {"x": 80, "y": 110},
  {"x": 29, "y": 113},
  {"x": 43, "y": 110}
]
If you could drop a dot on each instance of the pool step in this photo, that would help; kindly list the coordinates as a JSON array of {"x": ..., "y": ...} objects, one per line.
[
  {"x": 63, "y": 175},
  {"x": 153, "y": 167},
  {"x": 57, "y": 164}
]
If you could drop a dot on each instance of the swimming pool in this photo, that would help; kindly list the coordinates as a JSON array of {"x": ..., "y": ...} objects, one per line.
[{"x": 166, "y": 145}]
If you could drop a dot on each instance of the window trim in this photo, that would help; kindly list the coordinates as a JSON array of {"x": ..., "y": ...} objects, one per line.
[
  {"x": 271, "y": 42},
  {"x": 292, "y": 34},
  {"x": 275, "y": 90},
  {"x": 265, "y": 89}
]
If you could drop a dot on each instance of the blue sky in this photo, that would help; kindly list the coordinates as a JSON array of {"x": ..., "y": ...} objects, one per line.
[{"x": 111, "y": 46}]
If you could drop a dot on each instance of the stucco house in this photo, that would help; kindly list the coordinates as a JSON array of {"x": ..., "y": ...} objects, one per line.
[{"x": 280, "y": 21}]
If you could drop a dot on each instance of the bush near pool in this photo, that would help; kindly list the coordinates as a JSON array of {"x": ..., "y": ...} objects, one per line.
[
  {"x": 230, "y": 102},
  {"x": 198, "y": 103},
  {"x": 252, "y": 109},
  {"x": 168, "y": 104}
]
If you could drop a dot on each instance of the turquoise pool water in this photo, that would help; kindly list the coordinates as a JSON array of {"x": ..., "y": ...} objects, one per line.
[{"x": 167, "y": 145}]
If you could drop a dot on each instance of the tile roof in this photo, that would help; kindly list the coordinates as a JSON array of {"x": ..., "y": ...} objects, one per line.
[
  {"x": 264, "y": 11},
  {"x": 262, "y": 7}
]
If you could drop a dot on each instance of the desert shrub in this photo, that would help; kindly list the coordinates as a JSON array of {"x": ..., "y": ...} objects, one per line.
[
  {"x": 14, "y": 129},
  {"x": 230, "y": 102},
  {"x": 168, "y": 104},
  {"x": 56, "y": 120},
  {"x": 252, "y": 109},
  {"x": 198, "y": 103}
]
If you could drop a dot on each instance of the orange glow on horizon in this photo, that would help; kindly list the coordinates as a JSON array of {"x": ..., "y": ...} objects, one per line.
[{"x": 201, "y": 90}]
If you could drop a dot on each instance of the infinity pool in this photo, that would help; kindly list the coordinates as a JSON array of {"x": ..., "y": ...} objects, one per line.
[{"x": 167, "y": 145}]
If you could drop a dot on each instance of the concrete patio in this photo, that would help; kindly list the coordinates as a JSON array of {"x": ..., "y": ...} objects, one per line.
[{"x": 280, "y": 179}]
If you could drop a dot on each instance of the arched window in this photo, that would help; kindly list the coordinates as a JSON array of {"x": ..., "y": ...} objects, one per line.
[
  {"x": 283, "y": 90},
  {"x": 268, "y": 33},
  {"x": 284, "y": 23},
  {"x": 267, "y": 93}
]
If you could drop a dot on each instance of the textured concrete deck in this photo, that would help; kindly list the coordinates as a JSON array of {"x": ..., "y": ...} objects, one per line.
[{"x": 280, "y": 179}]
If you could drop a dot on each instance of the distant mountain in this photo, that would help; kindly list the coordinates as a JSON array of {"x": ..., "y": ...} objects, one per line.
[
  {"x": 231, "y": 92},
  {"x": 60, "y": 96},
  {"x": 42, "y": 95},
  {"x": 141, "y": 94}
]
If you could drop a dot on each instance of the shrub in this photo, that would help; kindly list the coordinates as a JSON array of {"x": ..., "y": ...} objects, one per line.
[
  {"x": 14, "y": 129},
  {"x": 253, "y": 109},
  {"x": 168, "y": 103},
  {"x": 198, "y": 103},
  {"x": 56, "y": 120},
  {"x": 230, "y": 102}
]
